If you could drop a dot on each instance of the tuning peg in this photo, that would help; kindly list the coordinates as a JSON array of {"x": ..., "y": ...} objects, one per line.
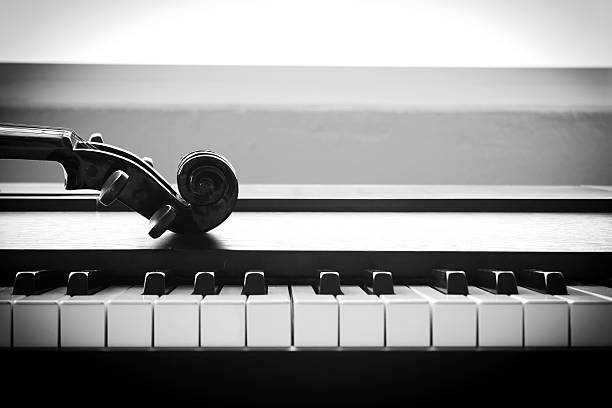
[
  {"x": 148, "y": 160},
  {"x": 112, "y": 187},
  {"x": 161, "y": 220},
  {"x": 96, "y": 137}
]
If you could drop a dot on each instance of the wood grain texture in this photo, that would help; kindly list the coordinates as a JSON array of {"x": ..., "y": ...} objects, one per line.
[{"x": 404, "y": 232}]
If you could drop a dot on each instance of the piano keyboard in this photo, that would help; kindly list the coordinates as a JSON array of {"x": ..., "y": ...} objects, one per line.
[{"x": 494, "y": 312}]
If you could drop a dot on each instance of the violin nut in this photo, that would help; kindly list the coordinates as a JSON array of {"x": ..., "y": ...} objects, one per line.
[
  {"x": 112, "y": 187},
  {"x": 96, "y": 138},
  {"x": 161, "y": 220}
]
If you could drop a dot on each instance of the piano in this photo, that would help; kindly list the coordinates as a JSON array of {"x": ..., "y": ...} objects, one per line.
[{"x": 362, "y": 293}]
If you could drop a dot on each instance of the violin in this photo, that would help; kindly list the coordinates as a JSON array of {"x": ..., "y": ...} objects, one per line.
[{"x": 207, "y": 182}]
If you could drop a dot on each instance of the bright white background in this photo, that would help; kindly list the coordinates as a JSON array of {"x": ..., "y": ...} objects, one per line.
[{"x": 442, "y": 33}]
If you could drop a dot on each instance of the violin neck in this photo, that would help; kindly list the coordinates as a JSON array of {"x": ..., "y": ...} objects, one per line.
[{"x": 35, "y": 143}]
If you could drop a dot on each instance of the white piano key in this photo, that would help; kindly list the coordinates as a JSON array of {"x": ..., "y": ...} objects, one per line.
[
  {"x": 176, "y": 319},
  {"x": 590, "y": 318},
  {"x": 407, "y": 318},
  {"x": 130, "y": 319},
  {"x": 453, "y": 318},
  {"x": 6, "y": 315},
  {"x": 36, "y": 319},
  {"x": 545, "y": 319},
  {"x": 315, "y": 318},
  {"x": 269, "y": 318},
  {"x": 83, "y": 318},
  {"x": 500, "y": 319},
  {"x": 223, "y": 318},
  {"x": 362, "y": 318}
]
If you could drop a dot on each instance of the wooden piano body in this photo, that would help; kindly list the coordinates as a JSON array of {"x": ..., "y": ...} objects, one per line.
[{"x": 290, "y": 233}]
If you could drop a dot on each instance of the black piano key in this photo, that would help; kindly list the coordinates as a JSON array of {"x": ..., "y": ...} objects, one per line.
[
  {"x": 551, "y": 283},
  {"x": 379, "y": 282},
  {"x": 329, "y": 283},
  {"x": 157, "y": 283},
  {"x": 84, "y": 282},
  {"x": 450, "y": 282},
  {"x": 36, "y": 282},
  {"x": 254, "y": 283},
  {"x": 498, "y": 282},
  {"x": 204, "y": 284}
]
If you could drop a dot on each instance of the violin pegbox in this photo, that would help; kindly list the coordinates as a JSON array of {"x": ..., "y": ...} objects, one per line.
[
  {"x": 208, "y": 187},
  {"x": 207, "y": 183}
]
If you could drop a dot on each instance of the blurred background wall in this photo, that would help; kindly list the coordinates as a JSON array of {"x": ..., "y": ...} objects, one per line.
[{"x": 385, "y": 92}]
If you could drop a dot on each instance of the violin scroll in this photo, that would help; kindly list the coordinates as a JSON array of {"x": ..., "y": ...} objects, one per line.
[{"x": 208, "y": 182}]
